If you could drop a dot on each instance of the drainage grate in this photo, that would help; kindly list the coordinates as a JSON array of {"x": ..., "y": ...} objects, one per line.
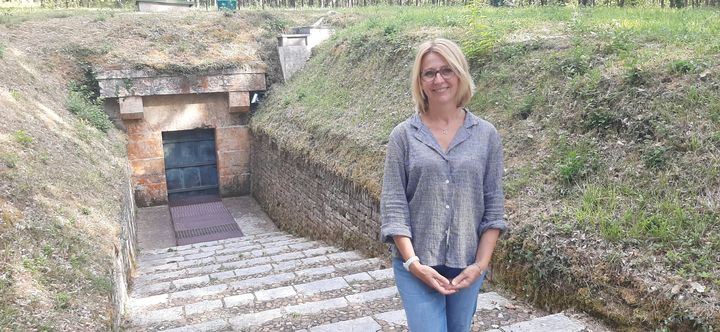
[{"x": 229, "y": 228}]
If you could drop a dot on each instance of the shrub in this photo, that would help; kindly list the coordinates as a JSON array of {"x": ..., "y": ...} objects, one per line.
[
  {"x": 480, "y": 38},
  {"x": 82, "y": 103}
]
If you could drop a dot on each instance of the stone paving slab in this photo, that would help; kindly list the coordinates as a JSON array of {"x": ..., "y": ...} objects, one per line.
[
  {"x": 135, "y": 304},
  {"x": 275, "y": 293},
  {"x": 321, "y": 286},
  {"x": 239, "y": 300},
  {"x": 254, "y": 319},
  {"x": 490, "y": 301},
  {"x": 201, "y": 307},
  {"x": 396, "y": 317},
  {"x": 372, "y": 295},
  {"x": 552, "y": 323},
  {"x": 365, "y": 324},
  {"x": 156, "y": 316},
  {"x": 316, "y": 307},
  {"x": 199, "y": 292},
  {"x": 211, "y": 326}
]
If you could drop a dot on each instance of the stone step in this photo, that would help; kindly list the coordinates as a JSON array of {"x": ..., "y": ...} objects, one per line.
[
  {"x": 293, "y": 299},
  {"x": 288, "y": 318},
  {"x": 224, "y": 262},
  {"x": 236, "y": 272},
  {"x": 353, "y": 272},
  {"x": 551, "y": 323},
  {"x": 197, "y": 256},
  {"x": 249, "y": 238},
  {"x": 215, "y": 264},
  {"x": 487, "y": 303}
]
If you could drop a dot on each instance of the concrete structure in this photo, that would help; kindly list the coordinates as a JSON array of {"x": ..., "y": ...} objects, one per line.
[
  {"x": 294, "y": 49},
  {"x": 149, "y": 104},
  {"x": 164, "y": 5}
]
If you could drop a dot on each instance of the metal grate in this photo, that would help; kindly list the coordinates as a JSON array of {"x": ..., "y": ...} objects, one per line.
[{"x": 197, "y": 232}]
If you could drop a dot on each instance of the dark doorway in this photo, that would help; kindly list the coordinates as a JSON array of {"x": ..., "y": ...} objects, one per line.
[{"x": 190, "y": 164}]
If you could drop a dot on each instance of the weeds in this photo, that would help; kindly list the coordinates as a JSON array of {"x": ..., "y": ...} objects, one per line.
[
  {"x": 23, "y": 138},
  {"x": 62, "y": 300},
  {"x": 576, "y": 163},
  {"x": 682, "y": 66},
  {"x": 2, "y": 50},
  {"x": 599, "y": 118},
  {"x": 82, "y": 102},
  {"x": 656, "y": 157},
  {"x": 9, "y": 159},
  {"x": 634, "y": 74}
]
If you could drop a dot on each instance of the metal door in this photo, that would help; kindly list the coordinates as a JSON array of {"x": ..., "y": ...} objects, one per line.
[{"x": 190, "y": 163}]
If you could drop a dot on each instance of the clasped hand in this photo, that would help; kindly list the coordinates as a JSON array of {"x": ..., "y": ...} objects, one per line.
[{"x": 433, "y": 279}]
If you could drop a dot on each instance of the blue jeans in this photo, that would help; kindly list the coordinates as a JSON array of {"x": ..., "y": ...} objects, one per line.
[{"x": 428, "y": 310}]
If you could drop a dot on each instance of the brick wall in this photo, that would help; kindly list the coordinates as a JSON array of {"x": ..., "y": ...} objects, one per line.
[{"x": 307, "y": 199}]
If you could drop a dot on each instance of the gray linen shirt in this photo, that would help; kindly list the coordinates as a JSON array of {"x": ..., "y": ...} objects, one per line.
[{"x": 442, "y": 201}]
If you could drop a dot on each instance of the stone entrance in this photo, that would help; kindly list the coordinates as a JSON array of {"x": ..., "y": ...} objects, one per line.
[{"x": 149, "y": 104}]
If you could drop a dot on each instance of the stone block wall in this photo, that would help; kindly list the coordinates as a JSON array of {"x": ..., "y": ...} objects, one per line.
[
  {"x": 233, "y": 160},
  {"x": 125, "y": 249},
  {"x": 185, "y": 112},
  {"x": 307, "y": 199}
]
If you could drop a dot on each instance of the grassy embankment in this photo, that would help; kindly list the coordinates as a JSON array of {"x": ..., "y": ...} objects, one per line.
[
  {"x": 62, "y": 163},
  {"x": 611, "y": 127}
]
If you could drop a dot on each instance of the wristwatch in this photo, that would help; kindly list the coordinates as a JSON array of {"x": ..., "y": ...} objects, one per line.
[{"x": 409, "y": 262}]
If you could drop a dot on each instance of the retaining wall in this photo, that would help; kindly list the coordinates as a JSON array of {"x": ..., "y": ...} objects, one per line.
[
  {"x": 125, "y": 249},
  {"x": 307, "y": 199}
]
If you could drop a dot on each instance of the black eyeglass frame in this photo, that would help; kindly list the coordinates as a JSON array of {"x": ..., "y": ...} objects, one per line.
[{"x": 445, "y": 72}]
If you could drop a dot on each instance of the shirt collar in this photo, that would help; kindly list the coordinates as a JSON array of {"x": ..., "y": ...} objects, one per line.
[{"x": 470, "y": 120}]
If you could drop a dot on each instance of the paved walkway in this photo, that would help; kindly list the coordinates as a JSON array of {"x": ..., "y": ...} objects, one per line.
[{"x": 272, "y": 281}]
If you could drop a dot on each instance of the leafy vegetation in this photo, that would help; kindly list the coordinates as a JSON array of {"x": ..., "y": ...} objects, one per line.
[{"x": 82, "y": 102}]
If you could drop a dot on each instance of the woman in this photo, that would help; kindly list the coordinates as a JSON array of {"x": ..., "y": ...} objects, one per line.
[{"x": 442, "y": 201}]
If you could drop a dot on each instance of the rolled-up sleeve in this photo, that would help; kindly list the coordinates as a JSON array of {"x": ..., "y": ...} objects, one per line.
[
  {"x": 394, "y": 211},
  {"x": 494, "y": 199}
]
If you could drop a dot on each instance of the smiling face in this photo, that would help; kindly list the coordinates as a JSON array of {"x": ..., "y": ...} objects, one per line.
[{"x": 441, "y": 88}]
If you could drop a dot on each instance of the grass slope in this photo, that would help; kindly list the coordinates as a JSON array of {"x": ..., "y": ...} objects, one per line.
[{"x": 611, "y": 126}]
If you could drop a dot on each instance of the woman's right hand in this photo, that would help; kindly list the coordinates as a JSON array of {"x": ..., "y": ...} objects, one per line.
[{"x": 432, "y": 278}]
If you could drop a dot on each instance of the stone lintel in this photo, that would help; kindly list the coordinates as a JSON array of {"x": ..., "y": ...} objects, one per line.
[
  {"x": 131, "y": 108},
  {"x": 239, "y": 101},
  {"x": 138, "y": 84}
]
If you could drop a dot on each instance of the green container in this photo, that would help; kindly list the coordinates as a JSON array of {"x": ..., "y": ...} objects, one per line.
[{"x": 227, "y": 4}]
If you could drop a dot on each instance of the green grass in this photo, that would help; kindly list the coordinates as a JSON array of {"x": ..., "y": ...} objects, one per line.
[
  {"x": 12, "y": 16},
  {"x": 23, "y": 138},
  {"x": 82, "y": 102}
]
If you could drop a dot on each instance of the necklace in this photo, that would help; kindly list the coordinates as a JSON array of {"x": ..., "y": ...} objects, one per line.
[{"x": 444, "y": 131}]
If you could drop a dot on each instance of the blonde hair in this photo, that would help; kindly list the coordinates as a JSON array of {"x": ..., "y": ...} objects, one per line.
[{"x": 455, "y": 58}]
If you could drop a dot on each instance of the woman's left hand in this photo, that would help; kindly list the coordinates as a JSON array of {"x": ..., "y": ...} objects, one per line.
[{"x": 468, "y": 276}]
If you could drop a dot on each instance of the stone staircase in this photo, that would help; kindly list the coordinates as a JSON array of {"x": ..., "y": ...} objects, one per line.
[{"x": 278, "y": 282}]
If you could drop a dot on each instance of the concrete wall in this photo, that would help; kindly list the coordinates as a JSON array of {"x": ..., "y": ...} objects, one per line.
[
  {"x": 125, "y": 249},
  {"x": 185, "y": 112},
  {"x": 306, "y": 199}
]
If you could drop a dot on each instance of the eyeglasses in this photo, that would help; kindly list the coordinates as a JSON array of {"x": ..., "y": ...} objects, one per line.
[{"x": 430, "y": 74}]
